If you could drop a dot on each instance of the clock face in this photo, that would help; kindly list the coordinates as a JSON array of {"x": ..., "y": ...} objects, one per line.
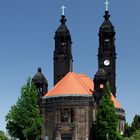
[{"x": 106, "y": 62}]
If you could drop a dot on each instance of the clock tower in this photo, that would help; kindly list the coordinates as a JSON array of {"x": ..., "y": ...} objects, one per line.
[{"x": 106, "y": 50}]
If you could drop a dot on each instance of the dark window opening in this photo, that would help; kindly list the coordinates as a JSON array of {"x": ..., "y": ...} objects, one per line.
[
  {"x": 66, "y": 137},
  {"x": 62, "y": 41},
  {"x": 40, "y": 89},
  {"x": 107, "y": 41},
  {"x": 63, "y": 44}
]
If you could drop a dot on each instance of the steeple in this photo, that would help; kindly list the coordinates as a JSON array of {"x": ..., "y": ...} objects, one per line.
[
  {"x": 62, "y": 53},
  {"x": 106, "y": 50}
]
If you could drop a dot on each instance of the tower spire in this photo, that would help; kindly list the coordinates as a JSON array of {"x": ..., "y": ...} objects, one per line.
[
  {"x": 62, "y": 53},
  {"x": 106, "y": 16},
  {"x": 107, "y": 50},
  {"x": 63, "y": 19}
]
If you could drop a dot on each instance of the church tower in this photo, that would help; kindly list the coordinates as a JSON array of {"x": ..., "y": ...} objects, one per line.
[
  {"x": 106, "y": 50},
  {"x": 62, "y": 53}
]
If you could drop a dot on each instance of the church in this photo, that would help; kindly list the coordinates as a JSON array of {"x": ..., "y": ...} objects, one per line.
[{"x": 69, "y": 109}]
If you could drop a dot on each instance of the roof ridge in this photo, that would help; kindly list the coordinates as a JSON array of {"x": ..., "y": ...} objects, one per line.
[
  {"x": 55, "y": 86},
  {"x": 85, "y": 76},
  {"x": 81, "y": 82}
]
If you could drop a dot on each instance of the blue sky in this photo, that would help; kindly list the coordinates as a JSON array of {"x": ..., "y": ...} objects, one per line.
[{"x": 27, "y": 28}]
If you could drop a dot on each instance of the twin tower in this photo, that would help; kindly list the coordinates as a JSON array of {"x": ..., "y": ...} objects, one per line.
[
  {"x": 63, "y": 61},
  {"x": 68, "y": 109}
]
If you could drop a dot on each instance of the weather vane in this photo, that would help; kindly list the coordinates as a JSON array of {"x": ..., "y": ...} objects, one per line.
[
  {"x": 63, "y": 10},
  {"x": 106, "y": 5}
]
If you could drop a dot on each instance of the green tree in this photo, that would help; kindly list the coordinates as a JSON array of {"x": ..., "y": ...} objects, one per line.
[
  {"x": 107, "y": 120},
  {"x": 3, "y": 136},
  {"x": 135, "y": 136},
  {"x": 24, "y": 120},
  {"x": 135, "y": 125},
  {"x": 128, "y": 130}
]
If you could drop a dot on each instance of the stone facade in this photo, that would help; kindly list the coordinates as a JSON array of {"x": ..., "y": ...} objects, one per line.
[
  {"x": 121, "y": 120},
  {"x": 70, "y": 118}
]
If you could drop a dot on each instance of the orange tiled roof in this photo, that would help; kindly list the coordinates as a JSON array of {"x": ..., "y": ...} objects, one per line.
[
  {"x": 116, "y": 102},
  {"x": 76, "y": 84},
  {"x": 87, "y": 81},
  {"x": 71, "y": 84}
]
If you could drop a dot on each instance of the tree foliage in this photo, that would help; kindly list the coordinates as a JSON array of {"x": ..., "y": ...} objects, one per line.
[
  {"x": 24, "y": 120},
  {"x": 135, "y": 125},
  {"x": 3, "y": 136},
  {"x": 135, "y": 136},
  {"x": 107, "y": 120},
  {"x": 127, "y": 130}
]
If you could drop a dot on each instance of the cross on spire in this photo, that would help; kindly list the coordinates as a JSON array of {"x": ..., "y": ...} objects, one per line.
[
  {"x": 106, "y": 5},
  {"x": 63, "y": 10}
]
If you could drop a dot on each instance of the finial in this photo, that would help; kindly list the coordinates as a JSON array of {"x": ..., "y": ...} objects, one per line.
[
  {"x": 107, "y": 5},
  {"x": 63, "y": 10},
  {"x": 106, "y": 16},
  {"x": 39, "y": 69},
  {"x": 63, "y": 20}
]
